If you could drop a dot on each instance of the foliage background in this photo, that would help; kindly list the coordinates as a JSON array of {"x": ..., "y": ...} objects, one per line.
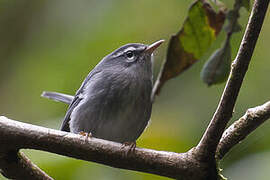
[{"x": 52, "y": 45}]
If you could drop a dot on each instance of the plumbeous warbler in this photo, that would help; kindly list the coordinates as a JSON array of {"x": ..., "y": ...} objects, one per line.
[{"x": 114, "y": 100}]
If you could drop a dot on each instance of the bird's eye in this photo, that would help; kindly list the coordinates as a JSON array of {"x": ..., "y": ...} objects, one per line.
[{"x": 130, "y": 54}]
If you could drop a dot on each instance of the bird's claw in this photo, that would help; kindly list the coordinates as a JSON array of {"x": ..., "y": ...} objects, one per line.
[
  {"x": 131, "y": 146},
  {"x": 86, "y": 134}
]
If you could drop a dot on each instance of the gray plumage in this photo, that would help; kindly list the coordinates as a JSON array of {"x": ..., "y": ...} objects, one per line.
[
  {"x": 59, "y": 97},
  {"x": 114, "y": 101}
]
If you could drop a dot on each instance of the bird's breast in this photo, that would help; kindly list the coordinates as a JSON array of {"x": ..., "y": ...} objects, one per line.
[{"x": 116, "y": 108}]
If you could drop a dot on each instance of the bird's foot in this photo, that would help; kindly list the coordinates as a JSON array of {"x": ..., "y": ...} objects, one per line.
[
  {"x": 86, "y": 134},
  {"x": 131, "y": 146}
]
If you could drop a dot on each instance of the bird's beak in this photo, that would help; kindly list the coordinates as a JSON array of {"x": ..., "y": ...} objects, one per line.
[{"x": 151, "y": 48}]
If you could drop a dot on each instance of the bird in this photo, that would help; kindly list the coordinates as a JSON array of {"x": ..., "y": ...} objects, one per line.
[{"x": 114, "y": 100}]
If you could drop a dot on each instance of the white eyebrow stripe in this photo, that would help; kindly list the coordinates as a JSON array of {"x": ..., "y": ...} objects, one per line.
[
  {"x": 130, "y": 49},
  {"x": 126, "y": 50}
]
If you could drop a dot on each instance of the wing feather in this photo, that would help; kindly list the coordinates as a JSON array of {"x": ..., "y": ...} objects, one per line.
[{"x": 77, "y": 99}]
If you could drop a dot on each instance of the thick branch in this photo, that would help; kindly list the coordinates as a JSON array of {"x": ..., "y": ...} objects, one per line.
[
  {"x": 17, "y": 135},
  {"x": 241, "y": 128},
  {"x": 208, "y": 144},
  {"x": 15, "y": 165}
]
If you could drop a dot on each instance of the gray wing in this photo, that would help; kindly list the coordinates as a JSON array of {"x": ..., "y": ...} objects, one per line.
[
  {"x": 65, "y": 123},
  {"x": 76, "y": 101}
]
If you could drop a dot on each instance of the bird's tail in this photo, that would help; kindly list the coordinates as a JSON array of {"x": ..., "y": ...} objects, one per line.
[{"x": 59, "y": 97}]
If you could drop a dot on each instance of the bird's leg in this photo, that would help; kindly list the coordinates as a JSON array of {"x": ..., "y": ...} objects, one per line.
[
  {"x": 131, "y": 145},
  {"x": 86, "y": 134}
]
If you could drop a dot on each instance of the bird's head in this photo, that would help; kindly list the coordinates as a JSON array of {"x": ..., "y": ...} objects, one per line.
[{"x": 134, "y": 56}]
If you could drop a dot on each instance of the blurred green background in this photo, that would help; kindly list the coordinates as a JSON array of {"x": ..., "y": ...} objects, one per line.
[{"x": 52, "y": 45}]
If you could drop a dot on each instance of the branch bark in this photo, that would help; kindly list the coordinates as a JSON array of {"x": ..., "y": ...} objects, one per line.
[
  {"x": 208, "y": 144},
  {"x": 18, "y": 135},
  {"x": 15, "y": 165},
  {"x": 241, "y": 128}
]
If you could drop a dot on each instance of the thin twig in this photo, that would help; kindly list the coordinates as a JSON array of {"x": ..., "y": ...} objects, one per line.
[
  {"x": 241, "y": 128},
  {"x": 208, "y": 144},
  {"x": 15, "y": 165}
]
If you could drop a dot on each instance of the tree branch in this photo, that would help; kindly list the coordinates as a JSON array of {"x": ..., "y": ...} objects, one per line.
[
  {"x": 15, "y": 135},
  {"x": 18, "y": 135},
  {"x": 241, "y": 128},
  {"x": 208, "y": 144},
  {"x": 15, "y": 165}
]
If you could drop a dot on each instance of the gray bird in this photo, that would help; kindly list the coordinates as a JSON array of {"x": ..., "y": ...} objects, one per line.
[{"x": 114, "y": 100}]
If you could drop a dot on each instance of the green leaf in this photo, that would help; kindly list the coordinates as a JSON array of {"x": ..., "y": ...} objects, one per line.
[
  {"x": 185, "y": 48},
  {"x": 217, "y": 68},
  {"x": 237, "y": 27},
  {"x": 246, "y": 4},
  {"x": 232, "y": 26}
]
